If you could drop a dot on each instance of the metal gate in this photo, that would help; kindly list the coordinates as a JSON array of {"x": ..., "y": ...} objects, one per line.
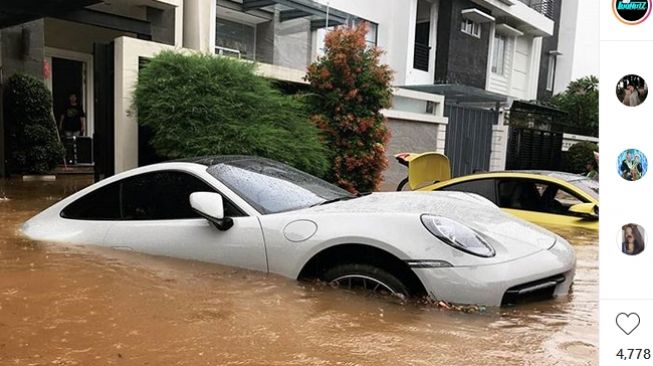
[
  {"x": 469, "y": 139},
  {"x": 535, "y": 139},
  {"x": 534, "y": 149}
]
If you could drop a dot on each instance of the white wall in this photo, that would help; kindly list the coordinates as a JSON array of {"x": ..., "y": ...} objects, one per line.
[
  {"x": 396, "y": 34},
  {"x": 578, "y": 42}
]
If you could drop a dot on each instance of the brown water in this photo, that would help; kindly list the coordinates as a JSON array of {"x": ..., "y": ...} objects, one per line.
[{"x": 67, "y": 305}]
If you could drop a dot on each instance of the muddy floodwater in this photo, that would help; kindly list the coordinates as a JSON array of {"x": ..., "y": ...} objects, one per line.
[{"x": 72, "y": 305}]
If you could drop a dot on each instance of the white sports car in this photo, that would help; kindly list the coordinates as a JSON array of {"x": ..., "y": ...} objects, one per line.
[{"x": 259, "y": 214}]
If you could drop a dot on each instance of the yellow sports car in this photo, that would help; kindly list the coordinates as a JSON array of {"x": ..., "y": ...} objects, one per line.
[{"x": 547, "y": 198}]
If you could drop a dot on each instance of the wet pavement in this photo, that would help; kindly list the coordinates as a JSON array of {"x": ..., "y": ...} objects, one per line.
[{"x": 73, "y": 305}]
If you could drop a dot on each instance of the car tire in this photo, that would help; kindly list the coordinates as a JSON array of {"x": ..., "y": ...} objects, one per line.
[
  {"x": 402, "y": 185},
  {"x": 340, "y": 274}
]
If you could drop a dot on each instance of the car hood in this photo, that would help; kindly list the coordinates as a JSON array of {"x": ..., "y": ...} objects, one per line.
[{"x": 470, "y": 209}]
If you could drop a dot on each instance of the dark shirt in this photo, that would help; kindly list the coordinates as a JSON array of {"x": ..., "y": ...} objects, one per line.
[
  {"x": 625, "y": 171},
  {"x": 72, "y": 118}
]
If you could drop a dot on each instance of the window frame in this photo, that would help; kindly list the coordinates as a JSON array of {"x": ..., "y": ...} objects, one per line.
[
  {"x": 470, "y": 28},
  {"x": 550, "y": 76},
  {"x": 370, "y": 24},
  {"x": 242, "y": 213},
  {"x": 494, "y": 182},
  {"x": 545, "y": 182},
  {"x": 253, "y": 27},
  {"x": 499, "y": 58}
]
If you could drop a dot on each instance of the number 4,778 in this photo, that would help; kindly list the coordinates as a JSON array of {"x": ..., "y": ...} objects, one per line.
[{"x": 634, "y": 353}]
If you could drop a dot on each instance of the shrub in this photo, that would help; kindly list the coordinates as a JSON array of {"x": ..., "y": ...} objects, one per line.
[
  {"x": 579, "y": 155},
  {"x": 198, "y": 105},
  {"x": 349, "y": 88},
  {"x": 33, "y": 141}
]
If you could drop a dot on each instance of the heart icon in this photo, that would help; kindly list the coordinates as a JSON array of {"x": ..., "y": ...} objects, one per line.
[{"x": 628, "y": 322}]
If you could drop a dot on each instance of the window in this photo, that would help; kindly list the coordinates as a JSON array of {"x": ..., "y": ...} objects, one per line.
[
  {"x": 150, "y": 196},
  {"x": 470, "y": 27},
  {"x": 371, "y": 37},
  {"x": 483, "y": 187},
  {"x": 422, "y": 49},
  {"x": 536, "y": 196},
  {"x": 551, "y": 73},
  {"x": 101, "y": 204},
  {"x": 499, "y": 55},
  {"x": 235, "y": 39}
]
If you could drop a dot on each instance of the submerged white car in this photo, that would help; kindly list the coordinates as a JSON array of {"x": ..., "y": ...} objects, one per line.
[{"x": 259, "y": 214}]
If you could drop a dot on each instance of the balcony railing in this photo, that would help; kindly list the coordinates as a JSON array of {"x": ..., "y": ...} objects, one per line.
[
  {"x": 421, "y": 57},
  {"x": 544, "y": 7},
  {"x": 224, "y": 51}
]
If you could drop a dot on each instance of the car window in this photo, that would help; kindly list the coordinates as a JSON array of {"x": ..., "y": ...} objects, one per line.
[
  {"x": 522, "y": 194},
  {"x": 100, "y": 204},
  {"x": 557, "y": 200},
  {"x": 151, "y": 196},
  {"x": 483, "y": 187}
]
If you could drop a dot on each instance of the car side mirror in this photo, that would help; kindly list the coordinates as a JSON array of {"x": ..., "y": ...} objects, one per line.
[
  {"x": 585, "y": 210},
  {"x": 209, "y": 205}
]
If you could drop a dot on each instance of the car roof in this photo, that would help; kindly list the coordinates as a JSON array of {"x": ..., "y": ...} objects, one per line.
[{"x": 222, "y": 159}]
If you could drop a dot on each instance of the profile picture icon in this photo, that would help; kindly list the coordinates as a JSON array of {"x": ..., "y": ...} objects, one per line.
[
  {"x": 632, "y": 239},
  {"x": 632, "y": 90},
  {"x": 631, "y": 12},
  {"x": 632, "y": 164}
]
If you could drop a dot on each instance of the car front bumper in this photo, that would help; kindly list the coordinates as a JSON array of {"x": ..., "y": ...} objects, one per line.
[{"x": 549, "y": 270}]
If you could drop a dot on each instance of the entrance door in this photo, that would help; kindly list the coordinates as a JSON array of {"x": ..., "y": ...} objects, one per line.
[{"x": 67, "y": 79}]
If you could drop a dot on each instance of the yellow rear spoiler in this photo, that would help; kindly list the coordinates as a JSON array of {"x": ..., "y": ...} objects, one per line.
[{"x": 427, "y": 168}]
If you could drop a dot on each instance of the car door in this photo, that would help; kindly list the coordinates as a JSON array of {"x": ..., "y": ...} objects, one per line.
[
  {"x": 156, "y": 218},
  {"x": 541, "y": 202}
]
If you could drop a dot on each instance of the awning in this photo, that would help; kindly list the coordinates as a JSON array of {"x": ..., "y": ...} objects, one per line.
[
  {"x": 456, "y": 93},
  {"x": 13, "y": 12},
  {"x": 320, "y": 15}
]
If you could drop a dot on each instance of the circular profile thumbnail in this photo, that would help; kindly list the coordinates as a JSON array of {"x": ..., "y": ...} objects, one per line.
[
  {"x": 632, "y": 90},
  {"x": 632, "y": 239},
  {"x": 631, "y": 12},
  {"x": 632, "y": 164}
]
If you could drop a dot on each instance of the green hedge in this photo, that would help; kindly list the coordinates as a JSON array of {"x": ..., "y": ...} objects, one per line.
[
  {"x": 34, "y": 145},
  {"x": 199, "y": 105}
]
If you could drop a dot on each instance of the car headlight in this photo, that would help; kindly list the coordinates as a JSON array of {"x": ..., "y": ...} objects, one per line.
[{"x": 457, "y": 235}]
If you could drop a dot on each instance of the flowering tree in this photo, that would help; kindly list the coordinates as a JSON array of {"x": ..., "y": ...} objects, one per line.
[{"x": 349, "y": 88}]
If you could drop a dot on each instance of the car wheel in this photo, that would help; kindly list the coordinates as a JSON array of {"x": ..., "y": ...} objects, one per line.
[
  {"x": 365, "y": 277},
  {"x": 403, "y": 185}
]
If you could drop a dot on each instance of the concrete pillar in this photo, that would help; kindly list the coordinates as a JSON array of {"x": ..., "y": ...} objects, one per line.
[
  {"x": 199, "y": 25},
  {"x": 499, "y": 149}
]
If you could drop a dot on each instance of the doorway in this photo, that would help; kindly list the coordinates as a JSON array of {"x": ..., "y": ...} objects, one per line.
[
  {"x": 71, "y": 72},
  {"x": 67, "y": 79}
]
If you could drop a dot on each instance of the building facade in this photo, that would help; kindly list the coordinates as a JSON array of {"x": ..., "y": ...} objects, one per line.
[{"x": 459, "y": 64}]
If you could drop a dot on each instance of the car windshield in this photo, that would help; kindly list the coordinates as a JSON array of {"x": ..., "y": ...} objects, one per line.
[
  {"x": 587, "y": 185},
  {"x": 272, "y": 187}
]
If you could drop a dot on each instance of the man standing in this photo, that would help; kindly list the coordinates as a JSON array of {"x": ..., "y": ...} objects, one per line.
[{"x": 72, "y": 119}]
